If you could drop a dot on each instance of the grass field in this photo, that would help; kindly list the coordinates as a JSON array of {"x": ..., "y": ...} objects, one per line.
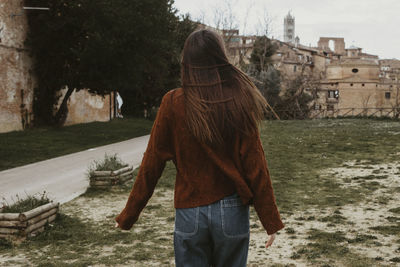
[
  {"x": 337, "y": 184},
  {"x": 32, "y": 145}
]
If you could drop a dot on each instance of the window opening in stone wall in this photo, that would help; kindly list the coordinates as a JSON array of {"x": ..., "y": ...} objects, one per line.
[
  {"x": 355, "y": 70},
  {"x": 351, "y": 84},
  {"x": 294, "y": 68},
  {"x": 363, "y": 84},
  {"x": 330, "y": 107},
  {"x": 331, "y": 45},
  {"x": 387, "y": 95},
  {"x": 333, "y": 94}
]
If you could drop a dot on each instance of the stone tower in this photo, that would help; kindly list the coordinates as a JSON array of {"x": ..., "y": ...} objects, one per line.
[{"x": 288, "y": 29}]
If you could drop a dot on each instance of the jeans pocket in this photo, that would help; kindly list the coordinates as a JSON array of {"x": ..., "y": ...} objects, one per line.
[
  {"x": 186, "y": 221},
  {"x": 235, "y": 218}
]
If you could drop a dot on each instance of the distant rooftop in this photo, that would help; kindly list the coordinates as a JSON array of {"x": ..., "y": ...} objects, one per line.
[{"x": 354, "y": 47}]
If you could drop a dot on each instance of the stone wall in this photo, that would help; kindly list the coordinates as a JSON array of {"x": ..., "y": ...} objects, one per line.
[
  {"x": 16, "y": 82},
  {"x": 364, "y": 70},
  {"x": 84, "y": 107},
  {"x": 339, "y": 45}
]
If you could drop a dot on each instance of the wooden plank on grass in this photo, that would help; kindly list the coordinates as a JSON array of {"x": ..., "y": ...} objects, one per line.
[
  {"x": 42, "y": 216},
  {"x": 8, "y": 231},
  {"x": 117, "y": 172},
  {"x": 97, "y": 183},
  {"x": 13, "y": 224},
  {"x": 39, "y": 210},
  {"x": 100, "y": 173},
  {"x": 39, "y": 224},
  {"x": 9, "y": 216}
]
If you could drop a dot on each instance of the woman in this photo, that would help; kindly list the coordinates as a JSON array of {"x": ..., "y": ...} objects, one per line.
[{"x": 209, "y": 129}]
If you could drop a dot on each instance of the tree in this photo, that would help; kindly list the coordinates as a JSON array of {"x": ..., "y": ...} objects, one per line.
[
  {"x": 267, "y": 78},
  {"x": 295, "y": 101},
  {"x": 263, "y": 50},
  {"x": 128, "y": 46},
  {"x": 289, "y": 95},
  {"x": 269, "y": 84}
]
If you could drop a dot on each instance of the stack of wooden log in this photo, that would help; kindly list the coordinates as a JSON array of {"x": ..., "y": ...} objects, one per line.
[
  {"x": 103, "y": 179},
  {"x": 29, "y": 223}
]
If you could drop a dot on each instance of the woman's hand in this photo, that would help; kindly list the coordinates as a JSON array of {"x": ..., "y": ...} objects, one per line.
[{"x": 270, "y": 241}]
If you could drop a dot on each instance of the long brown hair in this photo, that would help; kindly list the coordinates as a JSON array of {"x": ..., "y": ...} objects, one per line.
[{"x": 220, "y": 100}]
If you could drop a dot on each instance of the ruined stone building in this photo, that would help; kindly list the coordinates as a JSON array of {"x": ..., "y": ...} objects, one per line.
[
  {"x": 350, "y": 82},
  {"x": 17, "y": 81}
]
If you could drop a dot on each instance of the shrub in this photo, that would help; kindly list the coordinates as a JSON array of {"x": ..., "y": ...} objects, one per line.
[
  {"x": 5, "y": 243},
  {"x": 109, "y": 163},
  {"x": 28, "y": 203}
]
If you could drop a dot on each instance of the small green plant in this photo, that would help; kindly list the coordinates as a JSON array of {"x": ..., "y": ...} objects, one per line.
[
  {"x": 396, "y": 259},
  {"x": 362, "y": 238},
  {"x": 109, "y": 163},
  {"x": 5, "y": 243},
  {"x": 25, "y": 204},
  {"x": 290, "y": 230},
  {"x": 395, "y": 210}
]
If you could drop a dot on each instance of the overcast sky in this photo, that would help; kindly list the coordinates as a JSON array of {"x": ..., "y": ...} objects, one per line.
[{"x": 370, "y": 24}]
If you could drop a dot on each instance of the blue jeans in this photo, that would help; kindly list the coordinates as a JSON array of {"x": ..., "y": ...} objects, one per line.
[{"x": 212, "y": 235}]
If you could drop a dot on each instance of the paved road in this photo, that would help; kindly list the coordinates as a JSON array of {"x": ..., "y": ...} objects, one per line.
[{"x": 63, "y": 178}]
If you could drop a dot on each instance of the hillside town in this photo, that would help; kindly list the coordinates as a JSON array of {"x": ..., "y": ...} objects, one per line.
[
  {"x": 346, "y": 80},
  {"x": 350, "y": 82}
]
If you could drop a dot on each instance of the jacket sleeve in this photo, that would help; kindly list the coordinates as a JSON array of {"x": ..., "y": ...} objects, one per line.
[
  {"x": 159, "y": 150},
  {"x": 257, "y": 176}
]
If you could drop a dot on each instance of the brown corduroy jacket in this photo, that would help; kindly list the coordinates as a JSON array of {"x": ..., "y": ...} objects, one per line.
[{"x": 204, "y": 175}]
